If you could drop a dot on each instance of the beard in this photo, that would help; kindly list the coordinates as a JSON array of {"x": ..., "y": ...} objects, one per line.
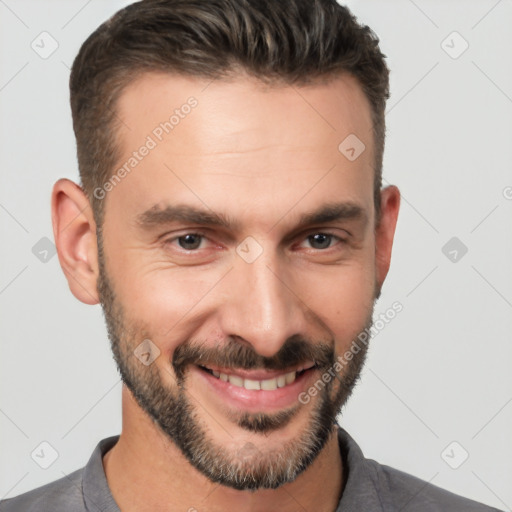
[{"x": 175, "y": 411}]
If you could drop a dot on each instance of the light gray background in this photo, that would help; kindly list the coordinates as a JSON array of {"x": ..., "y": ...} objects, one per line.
[{"x": 438, "y": 373}]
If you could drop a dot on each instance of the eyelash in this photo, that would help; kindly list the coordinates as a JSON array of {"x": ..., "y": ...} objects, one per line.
[{"x": 204, "y": 236}]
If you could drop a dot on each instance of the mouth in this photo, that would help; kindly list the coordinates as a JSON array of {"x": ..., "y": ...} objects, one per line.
[
  {"x": 258, "y": 379},
  {"x": 256, "y": 390}
]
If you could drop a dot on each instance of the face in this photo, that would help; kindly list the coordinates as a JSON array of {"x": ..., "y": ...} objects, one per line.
[{"x": 237, "y": 264}]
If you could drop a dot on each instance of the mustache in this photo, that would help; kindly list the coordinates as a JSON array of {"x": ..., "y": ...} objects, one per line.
[{"x": 296, "y": 350}]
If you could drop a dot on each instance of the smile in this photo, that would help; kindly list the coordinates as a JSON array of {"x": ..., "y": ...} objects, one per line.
[{"x": 255, "y": 380}]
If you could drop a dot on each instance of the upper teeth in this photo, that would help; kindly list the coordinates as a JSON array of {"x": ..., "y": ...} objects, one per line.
[{"x": 267, "y": 384}]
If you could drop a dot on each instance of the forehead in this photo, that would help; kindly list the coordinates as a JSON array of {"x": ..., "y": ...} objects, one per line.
[
  {"x": 229, "y": 107},
  {"x": 264, "y": 145}
]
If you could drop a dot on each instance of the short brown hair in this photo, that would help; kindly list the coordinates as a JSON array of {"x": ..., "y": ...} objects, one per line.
[{"x": 277, "y": 41}]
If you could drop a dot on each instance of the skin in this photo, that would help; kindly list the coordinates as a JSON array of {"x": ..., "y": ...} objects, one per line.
[{"x": 263, "y": 156}]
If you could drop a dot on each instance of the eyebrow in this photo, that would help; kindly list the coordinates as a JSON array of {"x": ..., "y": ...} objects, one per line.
[
  {"x": 333, "y": 212},
  {"x": 158, "y": 216}
]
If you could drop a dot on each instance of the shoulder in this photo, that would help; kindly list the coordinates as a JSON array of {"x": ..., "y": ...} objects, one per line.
[
  {"x": 373, "y": 486},
  {"x": 84, "y": 489},
  {"x": 63, "y": 495},
  {"x": 407, "y": 492}
]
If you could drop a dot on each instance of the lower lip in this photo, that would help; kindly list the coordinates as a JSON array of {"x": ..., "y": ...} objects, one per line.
[{"x": 257, "y": 400}]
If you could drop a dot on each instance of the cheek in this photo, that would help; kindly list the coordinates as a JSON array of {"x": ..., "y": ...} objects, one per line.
[
  {"x": 342, "y": 298},
  {"x": 151, "y": 289},
  {"x": 168, "y": 302}
]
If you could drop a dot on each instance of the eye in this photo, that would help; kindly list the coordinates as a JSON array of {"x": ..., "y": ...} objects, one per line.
[
  {"x": 191, "y": 247},
  {"x": 322, "y": 240},
  {"x": 190, "y": 241}
]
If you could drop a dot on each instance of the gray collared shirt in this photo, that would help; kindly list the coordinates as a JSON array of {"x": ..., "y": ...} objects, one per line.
[{"x": 369, "y": 487}]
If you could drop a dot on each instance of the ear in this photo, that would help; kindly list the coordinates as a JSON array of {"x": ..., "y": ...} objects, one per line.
[
  {"x": 385, "y": 232},
  {"x": 74, "y": 230}
]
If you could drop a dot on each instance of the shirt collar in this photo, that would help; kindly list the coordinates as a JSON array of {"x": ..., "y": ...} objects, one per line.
[
  {"x": 364, "y": 489},
  {"x": 97, "y": 495}
]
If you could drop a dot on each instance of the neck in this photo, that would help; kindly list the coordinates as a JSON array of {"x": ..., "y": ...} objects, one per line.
[{"x": 144, "y": 458}]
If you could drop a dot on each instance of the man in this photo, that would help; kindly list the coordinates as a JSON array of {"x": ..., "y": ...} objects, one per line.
[{"x": 232, "y": 224}]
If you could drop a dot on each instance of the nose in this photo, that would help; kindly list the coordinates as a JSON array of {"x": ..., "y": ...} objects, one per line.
[{"x": 262, "y": 306}]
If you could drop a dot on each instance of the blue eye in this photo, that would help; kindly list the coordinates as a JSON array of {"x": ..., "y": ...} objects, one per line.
[
  {"x": 190, "y": 241},
  {"x": 320, "y": 240}
]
